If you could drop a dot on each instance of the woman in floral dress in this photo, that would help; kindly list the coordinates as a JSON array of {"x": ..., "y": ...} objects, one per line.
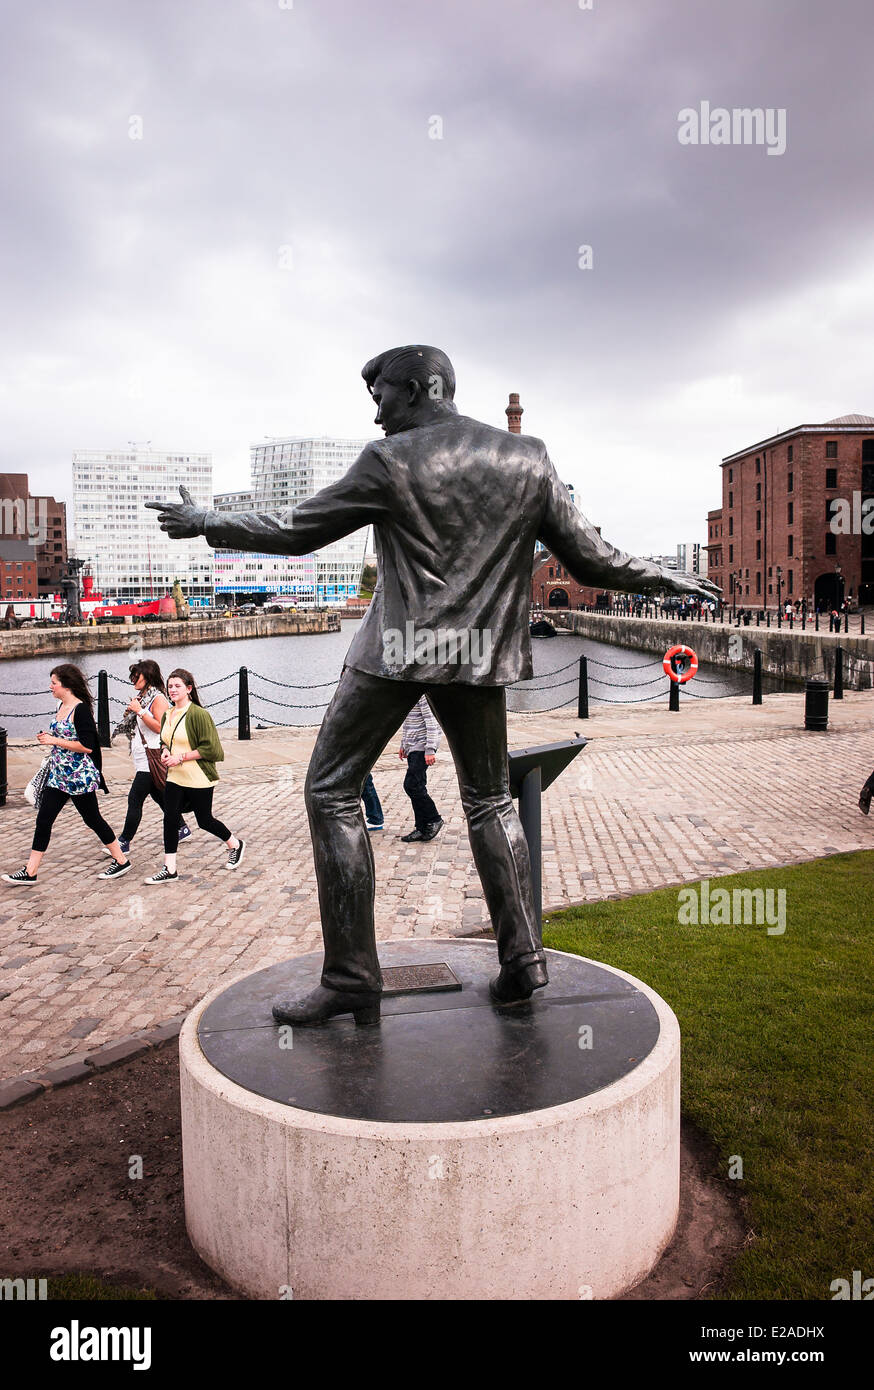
[{"x": 75, "y": 773}]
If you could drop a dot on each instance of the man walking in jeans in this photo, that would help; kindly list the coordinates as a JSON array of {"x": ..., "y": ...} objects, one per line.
[{"x": 420, "y": 737}]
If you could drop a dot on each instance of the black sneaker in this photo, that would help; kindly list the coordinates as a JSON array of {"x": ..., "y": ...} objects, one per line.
[
  {"x": 162, "y": 876},
  {"x": 20, "y": 876},
  {"x": 115, "y": 869},
  {"x": 236, "y": 855}
]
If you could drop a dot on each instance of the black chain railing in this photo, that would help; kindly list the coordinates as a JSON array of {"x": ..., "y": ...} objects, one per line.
[{"x": 249, "y": 704}]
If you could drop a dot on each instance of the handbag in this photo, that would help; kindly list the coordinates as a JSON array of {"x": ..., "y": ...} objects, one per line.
[
  {"x": 35, "y": 787},
  {"x": 156, "y": 767}
]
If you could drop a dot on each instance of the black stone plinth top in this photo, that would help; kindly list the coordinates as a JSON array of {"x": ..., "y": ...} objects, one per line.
[{"x": 434, "y": 1056}]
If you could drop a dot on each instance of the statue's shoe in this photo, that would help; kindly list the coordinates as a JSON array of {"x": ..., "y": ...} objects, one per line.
[
  {"x": 323, "y": 1004},
  {"x": 515, "y": 985}
]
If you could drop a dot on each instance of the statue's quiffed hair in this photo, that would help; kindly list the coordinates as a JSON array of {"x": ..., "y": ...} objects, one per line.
[{"x": 427, "y": 365}]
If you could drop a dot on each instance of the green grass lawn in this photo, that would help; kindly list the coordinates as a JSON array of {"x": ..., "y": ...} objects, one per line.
[{"x": 776, "y": 1054}]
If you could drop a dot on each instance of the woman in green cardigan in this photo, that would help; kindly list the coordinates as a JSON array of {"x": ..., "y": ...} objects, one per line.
[{"x": 191, "y": 749}]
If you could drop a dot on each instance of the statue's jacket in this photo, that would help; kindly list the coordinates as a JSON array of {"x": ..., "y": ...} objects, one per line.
[{"x": 456, "y": 507}]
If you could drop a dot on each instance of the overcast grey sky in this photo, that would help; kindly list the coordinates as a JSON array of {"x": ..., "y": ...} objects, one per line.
[{"x": 286, "y": 214}]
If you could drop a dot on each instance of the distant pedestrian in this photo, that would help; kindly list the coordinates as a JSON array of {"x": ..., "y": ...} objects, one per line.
[
  {"x": 420, "y": 739},
  {"x": 191, "y": 751},
  {"x": 141, "y": 724},
  {"x": 75, "y": 773},
  {"x": 373, "y": 813}
]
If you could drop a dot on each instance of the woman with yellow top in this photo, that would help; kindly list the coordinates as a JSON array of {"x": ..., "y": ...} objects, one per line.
[{"x": 191, "y": 749}]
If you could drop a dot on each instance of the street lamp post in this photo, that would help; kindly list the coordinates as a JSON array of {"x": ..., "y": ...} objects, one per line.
[
  {"x": 738, "y": 586},
  {"x": 779, "y": 596}
]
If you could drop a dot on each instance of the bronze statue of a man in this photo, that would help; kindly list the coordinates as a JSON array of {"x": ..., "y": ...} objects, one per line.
[{"x": 456, "y": 507}]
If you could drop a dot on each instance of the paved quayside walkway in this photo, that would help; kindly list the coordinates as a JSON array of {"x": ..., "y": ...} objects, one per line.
[{"x": 656, "y": 798}]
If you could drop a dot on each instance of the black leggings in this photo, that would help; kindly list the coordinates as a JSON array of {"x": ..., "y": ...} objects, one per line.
[
  {"x": 196, "y": 799},
  {"x": 141, "y": 787},
  {"x": 52, "y": 803}
]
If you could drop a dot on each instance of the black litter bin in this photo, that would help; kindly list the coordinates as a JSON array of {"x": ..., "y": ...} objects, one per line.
[{"x": 816, "y": 705}]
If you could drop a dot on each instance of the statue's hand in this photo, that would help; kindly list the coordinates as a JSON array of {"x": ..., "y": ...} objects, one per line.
[
  {"x": 678, "y": 583},
  {"x": 180, "y": 521}
]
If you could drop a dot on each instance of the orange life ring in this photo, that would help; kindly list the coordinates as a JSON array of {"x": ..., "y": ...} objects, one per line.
[{"x": 680, "y": 676}]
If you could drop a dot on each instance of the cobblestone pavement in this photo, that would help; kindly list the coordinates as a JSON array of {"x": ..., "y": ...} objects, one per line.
[{"x": 656, "y": 798}]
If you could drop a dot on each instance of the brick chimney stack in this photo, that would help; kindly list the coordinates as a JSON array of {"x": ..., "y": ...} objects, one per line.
[{"x": 514, "y": 414}]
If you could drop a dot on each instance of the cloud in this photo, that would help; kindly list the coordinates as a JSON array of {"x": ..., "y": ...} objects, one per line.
[{"x": 285, "y": 215}]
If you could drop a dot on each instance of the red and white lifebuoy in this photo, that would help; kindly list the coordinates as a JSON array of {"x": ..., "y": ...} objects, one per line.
[{"x": 688, "y": 672}]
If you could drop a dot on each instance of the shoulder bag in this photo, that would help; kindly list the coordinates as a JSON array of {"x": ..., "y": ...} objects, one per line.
[
  {"x": 153, "y": 758},
  {"x": 36, "y": 786}
]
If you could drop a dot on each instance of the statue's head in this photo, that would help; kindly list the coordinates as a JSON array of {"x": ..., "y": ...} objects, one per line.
[{"x": 411, "y": 386}]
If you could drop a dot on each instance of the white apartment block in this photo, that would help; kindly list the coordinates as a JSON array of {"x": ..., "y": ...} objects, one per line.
[
  {"x": 282, "y": 576},
  {"x": 131, "y": 558},
  {"x": 233, "y": 501},
  {"x": 692, "y": 558},
  {"x": 287, "y": 470}
]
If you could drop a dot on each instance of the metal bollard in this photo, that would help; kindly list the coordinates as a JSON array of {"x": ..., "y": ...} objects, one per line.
[
  {"x": 846, "y": 621},
  {"x": 757, "y": 676},
  {"x": 674, "y": 697},
  {"x": 839, "y": 673},
  {"x": 816, "y": 705},
  {"x": 863, "y": 625},
  {"x": 816, "y": 625},
  {"x": 4, "y": 784},
  {"x": 103, "y": 710},
  {"x": 583, "y": 692},
  {"x": 243, "y": 730},
  {"x": 768, "y": 615}
]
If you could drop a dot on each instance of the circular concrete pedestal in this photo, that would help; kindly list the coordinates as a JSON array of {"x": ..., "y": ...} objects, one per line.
[{"x": 456, "y": 1151}]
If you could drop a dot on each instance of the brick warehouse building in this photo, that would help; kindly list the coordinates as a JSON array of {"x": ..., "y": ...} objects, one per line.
[
  {"x": 37, "y": 511},
  {"x": 553, "y": 587},
  {"x": 18, "y": 571},
  {"x": 772, "y": 541},
  {"x": 715, "y": 569}
]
